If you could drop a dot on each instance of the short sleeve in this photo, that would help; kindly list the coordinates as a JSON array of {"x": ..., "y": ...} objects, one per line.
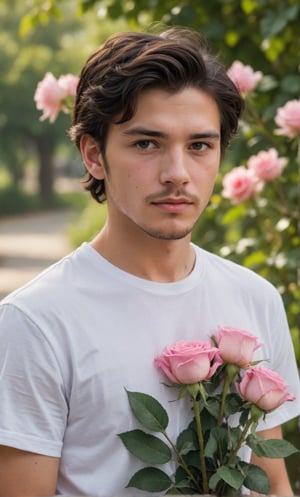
[{"x": 33, "y": 400}]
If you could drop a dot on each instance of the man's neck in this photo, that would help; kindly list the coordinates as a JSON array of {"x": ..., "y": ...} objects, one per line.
[{"x": 164, "y": 261}]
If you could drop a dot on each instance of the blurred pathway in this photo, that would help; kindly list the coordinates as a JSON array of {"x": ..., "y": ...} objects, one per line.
[{"x": 30, "y": 243}]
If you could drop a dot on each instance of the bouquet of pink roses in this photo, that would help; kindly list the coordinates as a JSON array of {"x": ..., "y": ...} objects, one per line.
[{"x": 221, "y": 380}]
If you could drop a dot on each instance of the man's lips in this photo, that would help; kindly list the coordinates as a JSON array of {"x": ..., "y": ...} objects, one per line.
[{"x": 170, "y": 204}]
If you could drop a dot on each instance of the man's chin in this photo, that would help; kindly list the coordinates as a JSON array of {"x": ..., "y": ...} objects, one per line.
[{"x": 168, "y": 234}]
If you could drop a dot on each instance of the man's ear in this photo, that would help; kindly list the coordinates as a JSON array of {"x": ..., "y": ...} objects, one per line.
[{"x": 92, "y": 157}]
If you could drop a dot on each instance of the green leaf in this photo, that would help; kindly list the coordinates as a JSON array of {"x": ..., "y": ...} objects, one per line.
[
  {"x": 244, "y": 416},
  {"x": 256, "y": 478},
  {"x": 148, "y": 411},
  {"x": 272, "y": 24},
  {"x": 187, "y": 441},
  {"x": 217, "y": 443},
  {"x": 249, "y": 6},
  {"x": 146, "y": 447},
  {"x": 256, "y": 258},
  {"x": 273, "y": 448},
  {"x": 231, "y": 476},
  {"x": 27, "y": 24},
  {"x": 234, "y": 213},
  {"x": 213, "y": 406},
  {"x": 291, "y": 13},
  {"x": 150, "y": 480},
  {"x": 213, "y": 481},
  {"x": 183, "y": 482},
  {"x": 233, "y": 404},
  {"x": 192, "y": 458},
  {"x": 234, "y": 435},
  {"x": 291, "y": 83},
  {"x": 267, "y": 83}
]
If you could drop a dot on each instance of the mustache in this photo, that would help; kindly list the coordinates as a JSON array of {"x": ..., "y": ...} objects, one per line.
[{"x": 174, "y": 193}]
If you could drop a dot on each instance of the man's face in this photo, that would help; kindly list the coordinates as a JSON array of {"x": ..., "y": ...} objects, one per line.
[{"x": 161, "y": 165}]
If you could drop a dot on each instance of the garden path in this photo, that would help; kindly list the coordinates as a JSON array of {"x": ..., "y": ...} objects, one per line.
[{"x": 29, "y": 243}]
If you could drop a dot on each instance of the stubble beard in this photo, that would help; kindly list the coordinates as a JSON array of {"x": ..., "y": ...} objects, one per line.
[{"x": 157, "y": 234}]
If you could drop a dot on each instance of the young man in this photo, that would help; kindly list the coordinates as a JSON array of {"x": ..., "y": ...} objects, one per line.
[{"x": 153, "y": 116}]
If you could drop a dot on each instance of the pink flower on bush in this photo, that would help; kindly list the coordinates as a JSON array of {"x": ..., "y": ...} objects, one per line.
[
  {"x": 244, "y": 77},
  {"x": 236, "y": 346},
  {"x": 266, "y": 165},
  {"x": 240, "y": 184},
  {"x": 51, "y": 94},
  {"x": 69, "y": 83},
  {"x": 288, "y": 119},
  {"x": 264, "y": 387},
  {"x": 188, "y": 362}
]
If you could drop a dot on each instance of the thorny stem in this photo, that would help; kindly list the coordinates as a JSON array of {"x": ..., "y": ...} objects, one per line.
[
  {"x": 234, "y": 452},
  {"x": 230, "y": 372},
  {"x": 223, "y": 398},
  {"x": 181, "y": 461},
  {"x": 201, "y": 446}
]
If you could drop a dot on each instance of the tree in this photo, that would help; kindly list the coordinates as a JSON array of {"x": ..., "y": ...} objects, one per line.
[{"x": 24, "y": 61}]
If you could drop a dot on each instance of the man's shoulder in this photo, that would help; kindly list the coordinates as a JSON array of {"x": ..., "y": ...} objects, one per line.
[
  {"x": 50, "y": 284},
  {"x": 234, "y": 273}
]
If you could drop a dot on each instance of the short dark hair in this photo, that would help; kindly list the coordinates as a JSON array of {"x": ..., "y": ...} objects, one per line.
[{"x": 130, "y": 62}]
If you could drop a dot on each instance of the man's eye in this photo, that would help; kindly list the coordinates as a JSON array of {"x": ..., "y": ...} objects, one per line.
[
  {"x": 200, "y": 146},
  {"x": 144, "y": 144}
]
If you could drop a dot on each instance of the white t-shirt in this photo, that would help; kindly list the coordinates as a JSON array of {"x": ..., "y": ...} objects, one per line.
[{"x": 83, "y": 331}]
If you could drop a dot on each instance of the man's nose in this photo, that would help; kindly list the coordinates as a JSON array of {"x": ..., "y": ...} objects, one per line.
[{"x": 174, "y": 168}]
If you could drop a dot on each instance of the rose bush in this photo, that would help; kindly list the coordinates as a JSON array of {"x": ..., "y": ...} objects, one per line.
[
  {"x": 189, "y": 362},
  {"x": 258, "y": 226},
  {"x": 264, "y": 388},
  {"x": 236, "y": 346}
]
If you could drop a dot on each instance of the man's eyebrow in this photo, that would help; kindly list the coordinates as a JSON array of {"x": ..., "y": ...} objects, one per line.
[
  {"x": 209, "y": 134},
  {"x": 139, "y": 130}
]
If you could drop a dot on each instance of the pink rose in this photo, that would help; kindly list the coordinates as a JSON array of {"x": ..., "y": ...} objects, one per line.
[
  {"x": 236, "y": 346},
  {"x": 51, "y": 94},
  {"x": 288, "y": 119},
  {"x": 240, "y": 184},
  {"x": 69, "y": 83},
  {"x": 49, "y": 97},
  {"x": 266, "y": 165},
  {"x": 244, "y": 77},
  {"x": 264, "y": 387},
  {"x": 189, "y": 362}
]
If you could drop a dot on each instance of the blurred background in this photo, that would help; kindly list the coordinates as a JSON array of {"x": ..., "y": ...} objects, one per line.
[{"x": 44, "y": 211}]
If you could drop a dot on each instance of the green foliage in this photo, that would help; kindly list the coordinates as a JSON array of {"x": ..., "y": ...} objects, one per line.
[
  {"x": 14, "y": 200},
  {"x": 88, "y": 224}
]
